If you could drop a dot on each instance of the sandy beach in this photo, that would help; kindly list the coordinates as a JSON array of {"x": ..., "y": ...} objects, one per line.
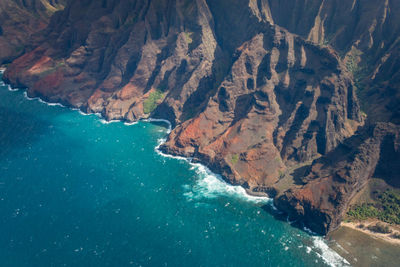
[
  {"x": 363, "y": 249},
  {"x": 384, "y": 237}
]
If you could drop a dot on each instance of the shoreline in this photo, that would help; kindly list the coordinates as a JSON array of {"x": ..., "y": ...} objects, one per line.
[
  {"x": 259, "y": 196},
  {"x": 384, "y": 237},
  {"x": 324, "y": 251}
]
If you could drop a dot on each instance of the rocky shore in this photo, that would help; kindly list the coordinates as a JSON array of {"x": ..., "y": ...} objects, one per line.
[{"x": 268, "y": 108}]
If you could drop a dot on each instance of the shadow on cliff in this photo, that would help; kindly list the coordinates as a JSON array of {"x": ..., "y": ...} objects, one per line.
[
  {"x": 283, "y": 217},
  {"x": 388, "y": 167}
]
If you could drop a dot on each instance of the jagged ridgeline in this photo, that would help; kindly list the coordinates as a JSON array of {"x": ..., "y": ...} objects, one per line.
[{"x": 251, "y": 100}]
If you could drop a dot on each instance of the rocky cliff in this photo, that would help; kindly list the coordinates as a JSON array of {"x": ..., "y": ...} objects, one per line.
[
  {"x": 248, "y": 98},
  {"x": 366, "y": 35},
  {"x": 20, "y": 20},
  {"x": 329, "y": 183}
]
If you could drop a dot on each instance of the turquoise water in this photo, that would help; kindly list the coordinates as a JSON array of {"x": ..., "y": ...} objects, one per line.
[{"x": 77, "y": 192}]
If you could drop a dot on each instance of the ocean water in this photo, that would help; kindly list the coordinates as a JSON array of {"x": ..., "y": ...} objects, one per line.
[{"x": 75, "y": 191}]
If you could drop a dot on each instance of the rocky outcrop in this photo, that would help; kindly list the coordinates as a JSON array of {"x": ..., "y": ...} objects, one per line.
[
  {"x": 284, "y": 101},
  {"x": 246, "y": 97},
  {"x": 365, "y": 33},
  {"x": 249, "y": 102},
  {"x": 331, "y": 181},
  {"x": 20, "y": 20}
]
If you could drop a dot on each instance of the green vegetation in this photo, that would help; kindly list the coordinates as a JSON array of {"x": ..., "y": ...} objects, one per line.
[
  {"x": 390, "y": 204},
  {"x": 235, "y": 158},
  {"x": 363, "y": 212},
  {"x": 150, "y": 104},
  {"x": 380, "y": 228},
  {"x": 188, "y": 37},
  {"x": 19, "y": 48},
  {"x": 358, "y": 65},
  {"x": 352, "y": 59},
  {"x": 396, "y": 235},
  {"x": 386, "y": 209}
]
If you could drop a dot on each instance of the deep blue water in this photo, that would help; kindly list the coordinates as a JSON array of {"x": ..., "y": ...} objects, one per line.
[{"x": 77, "y": 192}]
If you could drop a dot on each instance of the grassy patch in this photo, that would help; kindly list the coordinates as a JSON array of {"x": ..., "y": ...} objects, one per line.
[
  {"x": 188, "y": 37},
  {"x": 150, "y": 104},
  {"x": 386, "y": 209},
  {"x": 235, "y": 158}
]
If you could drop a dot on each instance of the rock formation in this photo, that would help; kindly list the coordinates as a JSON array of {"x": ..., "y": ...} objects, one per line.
[
  {"x": 247, "y": 97},
  {"x": 20, "y": 20}
]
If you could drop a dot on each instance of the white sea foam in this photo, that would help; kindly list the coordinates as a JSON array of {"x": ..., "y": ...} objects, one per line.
[
  {"x": 29, "y": 98},
  {"x": 52, "y": 104},
  {"x": 103, "y": 121},
  {"x": 130, "y": 123},
  {"x": 161, "y": 120},
  {"x": 211, "y": 185},
  {"x": 83, "y": 113},
  {"x": 328, "y": 255},
  {"x": 323, "y": 251},
  {"x": 10, "y": 88}
]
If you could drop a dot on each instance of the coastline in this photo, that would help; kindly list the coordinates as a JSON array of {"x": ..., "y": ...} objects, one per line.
[
  {"x": 384, "y": 237},
  {"x": 320, "y": 246},
  {"x": 243, "y": 191},
  {"x": 362, "y": 249}
]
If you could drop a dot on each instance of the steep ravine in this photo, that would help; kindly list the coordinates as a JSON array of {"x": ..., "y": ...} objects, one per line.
[{"x": 247, "y": 98}]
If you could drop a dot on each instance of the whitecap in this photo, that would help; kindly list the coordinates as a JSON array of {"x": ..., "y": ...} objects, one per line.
[
  {"x": 103, "y": 121},
  {"x": 52, "y": 104},
  {"x": 83, "y": 113},
  {"x": 328, "y": 255},
  {"x": 130, "y": 123},
  {"x": 160, "y": 120},
  {"x": 29, "y": 98},
  {"x": 10, "y": 88},
  {"x": 211, "y": 185}
]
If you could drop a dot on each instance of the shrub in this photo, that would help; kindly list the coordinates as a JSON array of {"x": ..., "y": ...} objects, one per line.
[
  {"x": 387, "y": 209},
  {"x": 380, "y": 228},
  {"x": 150, "y": 104},
  {"x": 363, "y": 212},
  {"x": 396, "y": 235},
  {"x": 235, "y": 158}
]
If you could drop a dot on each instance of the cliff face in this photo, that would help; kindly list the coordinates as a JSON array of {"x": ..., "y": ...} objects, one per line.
[
  {"x": 20, "y": 19},
  {"x": 331, "y": 181},
  {"x": 248, "y": 98},
  {"x": 365, "y": 33}
]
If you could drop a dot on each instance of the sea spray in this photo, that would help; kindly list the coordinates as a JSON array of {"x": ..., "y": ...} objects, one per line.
[
  {"x": 328, "y": 255},
  {"x": 209, "y": 184}
]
